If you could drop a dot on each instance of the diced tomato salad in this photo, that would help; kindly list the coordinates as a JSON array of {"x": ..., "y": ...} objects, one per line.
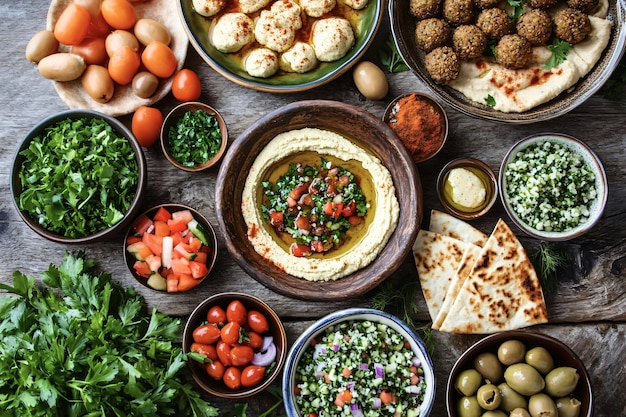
[{"x": 170, "y": 250}]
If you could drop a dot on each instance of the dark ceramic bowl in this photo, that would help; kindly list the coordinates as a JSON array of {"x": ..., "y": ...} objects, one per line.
[
  {"x": 137, "y": 190},
  {"x": 277, "y": 332},
  {"x": 351, "y": 122},
  {"x": 170, "y": 121},
  {"x": 154, "y": 282},
  {"x": 561, "y": 354}
]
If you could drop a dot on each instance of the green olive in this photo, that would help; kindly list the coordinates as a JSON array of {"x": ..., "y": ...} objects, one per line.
[
  {"x": 540, "y": 359},
  {"x": 489, "y": 397},
  {"x": 488, "y": 365},
  {"x": 524, "y": 379},
  {"x": 511, "y": 351},
  {"x": 468, "y": 382},
  {"x": 519, "y": 412},
  {"x": 494, "y": 413},
  {"x": 568, "y": 407},
  {"x": 511, "y": 399},
  {"x": 561, "y": 381},
  {"x": 468, "y": 407},
  {"x": 541, "y": 405}
]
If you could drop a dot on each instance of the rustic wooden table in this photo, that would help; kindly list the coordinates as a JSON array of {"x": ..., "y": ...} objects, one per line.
[{"x": 587, "y": 310}]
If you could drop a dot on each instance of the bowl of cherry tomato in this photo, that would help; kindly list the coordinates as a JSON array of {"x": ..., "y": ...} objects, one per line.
[{"x": 236, "y": 345}]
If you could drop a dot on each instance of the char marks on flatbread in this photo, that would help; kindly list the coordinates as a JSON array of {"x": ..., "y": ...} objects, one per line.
[
  {"x": 502, "y": 291},
  {"x": 449, "y": 225}
]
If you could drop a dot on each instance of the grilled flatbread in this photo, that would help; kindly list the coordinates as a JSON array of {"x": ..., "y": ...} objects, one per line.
[
  {"x": 449, "y": 225},
  {"x": 437, "y": 258},
  {"x": 502, "y": 291}
]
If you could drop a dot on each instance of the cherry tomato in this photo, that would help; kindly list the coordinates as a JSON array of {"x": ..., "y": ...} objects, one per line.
[
  {"x": 223, "y": 353},
  {"x": 72, "y": 26},
  {"x": 98, "y": 27},
  {"x": 206, "y": 334},
  {"x": 207, "y": 350},
  {"x": 230, "y": 332},
  {"x": 258, "y": 322},
  {"x": 252, "y": 375},
  {"x": 186, "y": 85},
  {"x": 123, "y": 65},
  {"x": 216, "y": 315},
  {"x": 92, "y": 50},
  {"x": 255, "y": 340},
  {"x": 215, "y": 370},
  {"x": 241, "y": 355},
  {"x": 159, "y": 59},
  {"x": 232, "y": 377},
  {"x": 236, "y": 312},
  {"x": 299, "y": 250},
  {"x": 146, "y": 126},
  {"x": 119, "y": 14}
]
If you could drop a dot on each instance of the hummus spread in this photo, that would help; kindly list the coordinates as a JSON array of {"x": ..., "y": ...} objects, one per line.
[
  {"x": 516, "y": 91},
  {"x": 381, "y": 219}
]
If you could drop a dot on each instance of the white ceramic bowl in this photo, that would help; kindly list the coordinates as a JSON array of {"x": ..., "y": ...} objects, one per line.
[
  {"x": 341, "y": 316},
  {"x": 601, "y": 184}
]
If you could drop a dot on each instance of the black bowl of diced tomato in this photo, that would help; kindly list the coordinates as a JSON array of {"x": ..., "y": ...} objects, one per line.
[
  {"x": 170, "y": 248},
  {"x": 236, "y": 345}
]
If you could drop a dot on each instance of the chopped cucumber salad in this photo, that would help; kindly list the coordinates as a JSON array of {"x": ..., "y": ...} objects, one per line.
[
  {"x": 359, "y": 369},
  {"x": 550, "y": 187}
]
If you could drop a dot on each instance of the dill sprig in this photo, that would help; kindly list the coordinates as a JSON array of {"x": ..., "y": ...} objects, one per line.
[{"x": 548, "y": 259}]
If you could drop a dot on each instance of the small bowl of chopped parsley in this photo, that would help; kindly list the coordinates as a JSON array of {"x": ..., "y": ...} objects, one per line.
[
  {"x": 194, "y": 136},
  {"x": 553, "y": 186},
  {"x": 78, "y": 176}
]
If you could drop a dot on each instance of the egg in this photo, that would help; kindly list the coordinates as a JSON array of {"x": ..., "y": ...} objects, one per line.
[{"x": 370, "y": 80}]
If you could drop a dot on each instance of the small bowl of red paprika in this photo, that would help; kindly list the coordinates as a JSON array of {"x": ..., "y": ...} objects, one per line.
[
  {"x": 236, "y": 345},
  {"x": 420, "y": 122}
]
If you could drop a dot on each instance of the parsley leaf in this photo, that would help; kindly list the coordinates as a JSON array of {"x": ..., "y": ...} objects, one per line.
[
  {"x": 559, "y": 50},
  {"x": 195, "y": 139},
  {"x": 490, "y": 101},
  {"x": 391, "y": 58},
  {"x": 518, "y": 9}
]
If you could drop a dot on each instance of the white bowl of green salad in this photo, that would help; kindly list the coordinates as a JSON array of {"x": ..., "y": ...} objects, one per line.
[
  {"x": 553, "y": 186},
  {"x": 358, "y": 362}
]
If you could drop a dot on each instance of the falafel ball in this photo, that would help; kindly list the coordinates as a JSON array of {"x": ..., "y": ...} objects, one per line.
[
  {"x": 585, "y": 6},
  {"x": 541, "y": 4},
  {"x": 494, "y": 22},
  {"x": 536, "y": 26},
  {"x": 468, "y": 41},
  {"x": 571, "y": 25},
  {"x": 486, "y": 4},
  {"x": 513, "y": 51},
  {"x": 423, "y": 9},
  {"x": 432, "y": 33},
  {"x": 442, "y": 64},
  {"x": 458, "y": 12}
]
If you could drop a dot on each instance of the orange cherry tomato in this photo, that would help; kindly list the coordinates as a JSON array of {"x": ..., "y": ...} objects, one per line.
[
  {"x": 241, "y": 355},
  {"x": 92, "y": 50},
  {"x": 258, "y": 322},
  {"x": 215, "y": 370},
  {"x": 98, "y": 27},
  {"x": 230, "y": 332},
  {"x": 72, "y": 26},
  {"x": 223, "y": 353},
  {"x": 252, "y": 375},
  {"x": 236, "y": 311},
  {"x": 208, "y": 350},
  {"x": 123, "y": 65},
  {"x": 216, "y": 315},
  {"x": 232, "y": 377},
  {"x": 206, "y": 334},
  {"x": 186, "y": 85},
  {"x": 255, "y": 340},
  {"x": 119, "y": 14},
  {"x": 146, "y": 126},
  {"x": 159, "y": 59}
]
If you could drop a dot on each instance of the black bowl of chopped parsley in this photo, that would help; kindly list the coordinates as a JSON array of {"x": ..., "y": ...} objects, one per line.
[{"x": 78, "y": 176}]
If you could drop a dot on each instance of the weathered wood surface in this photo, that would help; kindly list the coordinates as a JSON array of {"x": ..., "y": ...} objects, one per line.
[{"x": 587, "y": 310}]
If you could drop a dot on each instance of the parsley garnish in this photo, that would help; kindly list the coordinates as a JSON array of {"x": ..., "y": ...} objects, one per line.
[
  {"x": 518, "y": 9},
  {"x": 195, "y": 139},
  {"x": 391, "y": 59},
  {"x": 490, "y": 101},
  {"x": 559, "y": 50}
]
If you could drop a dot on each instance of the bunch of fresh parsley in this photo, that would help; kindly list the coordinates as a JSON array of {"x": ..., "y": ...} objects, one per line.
[{"x": 82, "y": 345}]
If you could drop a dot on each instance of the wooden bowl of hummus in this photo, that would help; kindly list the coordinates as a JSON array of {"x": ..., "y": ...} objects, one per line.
[{"x": 312, "y": 258}]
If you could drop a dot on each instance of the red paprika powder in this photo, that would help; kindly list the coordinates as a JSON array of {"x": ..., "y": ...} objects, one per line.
[{"x": 419, "y": 124}]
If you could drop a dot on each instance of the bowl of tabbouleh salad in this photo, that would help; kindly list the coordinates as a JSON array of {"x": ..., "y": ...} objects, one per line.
[
  {"x": 553, "y": 186},
  {"x": 358, "y": 362}
]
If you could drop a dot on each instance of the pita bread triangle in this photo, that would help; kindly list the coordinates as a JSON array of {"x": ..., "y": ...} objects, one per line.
[
  {"x": 502, "y": 291},
  {"x": 437, "y": 258},
  {"x": 449, "y": 225}
]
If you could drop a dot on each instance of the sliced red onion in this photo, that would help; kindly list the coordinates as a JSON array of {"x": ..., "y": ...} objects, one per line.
[
  {"x": 335, "y": 347},
  {"x": 351, "y": 385},
  {"x": 267, "y": 341},
  {"x": 376, "y": 402},
  {"x": 363, "y": 365},
  {"x": 414, "y": 389},
  {"x": 356, "y": 410},
  {"x": 416, "y": 361},
  {"x": 379, "y": 370},
  {"x": 265, "y": 358}
]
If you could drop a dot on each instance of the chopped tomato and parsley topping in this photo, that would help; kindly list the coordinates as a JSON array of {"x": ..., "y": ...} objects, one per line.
[{"x": 315, "y": 205}]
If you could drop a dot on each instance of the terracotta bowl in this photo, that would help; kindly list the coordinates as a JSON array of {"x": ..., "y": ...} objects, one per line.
[
  {"x": 561, "y": 354},
  {"x": 277, "y": 333},
  {"x": 351, "y": 122},
  {"x": 170, "y": 121},
  {"x": 137, "y": 191}
]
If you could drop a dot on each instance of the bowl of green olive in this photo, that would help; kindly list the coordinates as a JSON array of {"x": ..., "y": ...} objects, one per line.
[{"x": 519, "y": 373}]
